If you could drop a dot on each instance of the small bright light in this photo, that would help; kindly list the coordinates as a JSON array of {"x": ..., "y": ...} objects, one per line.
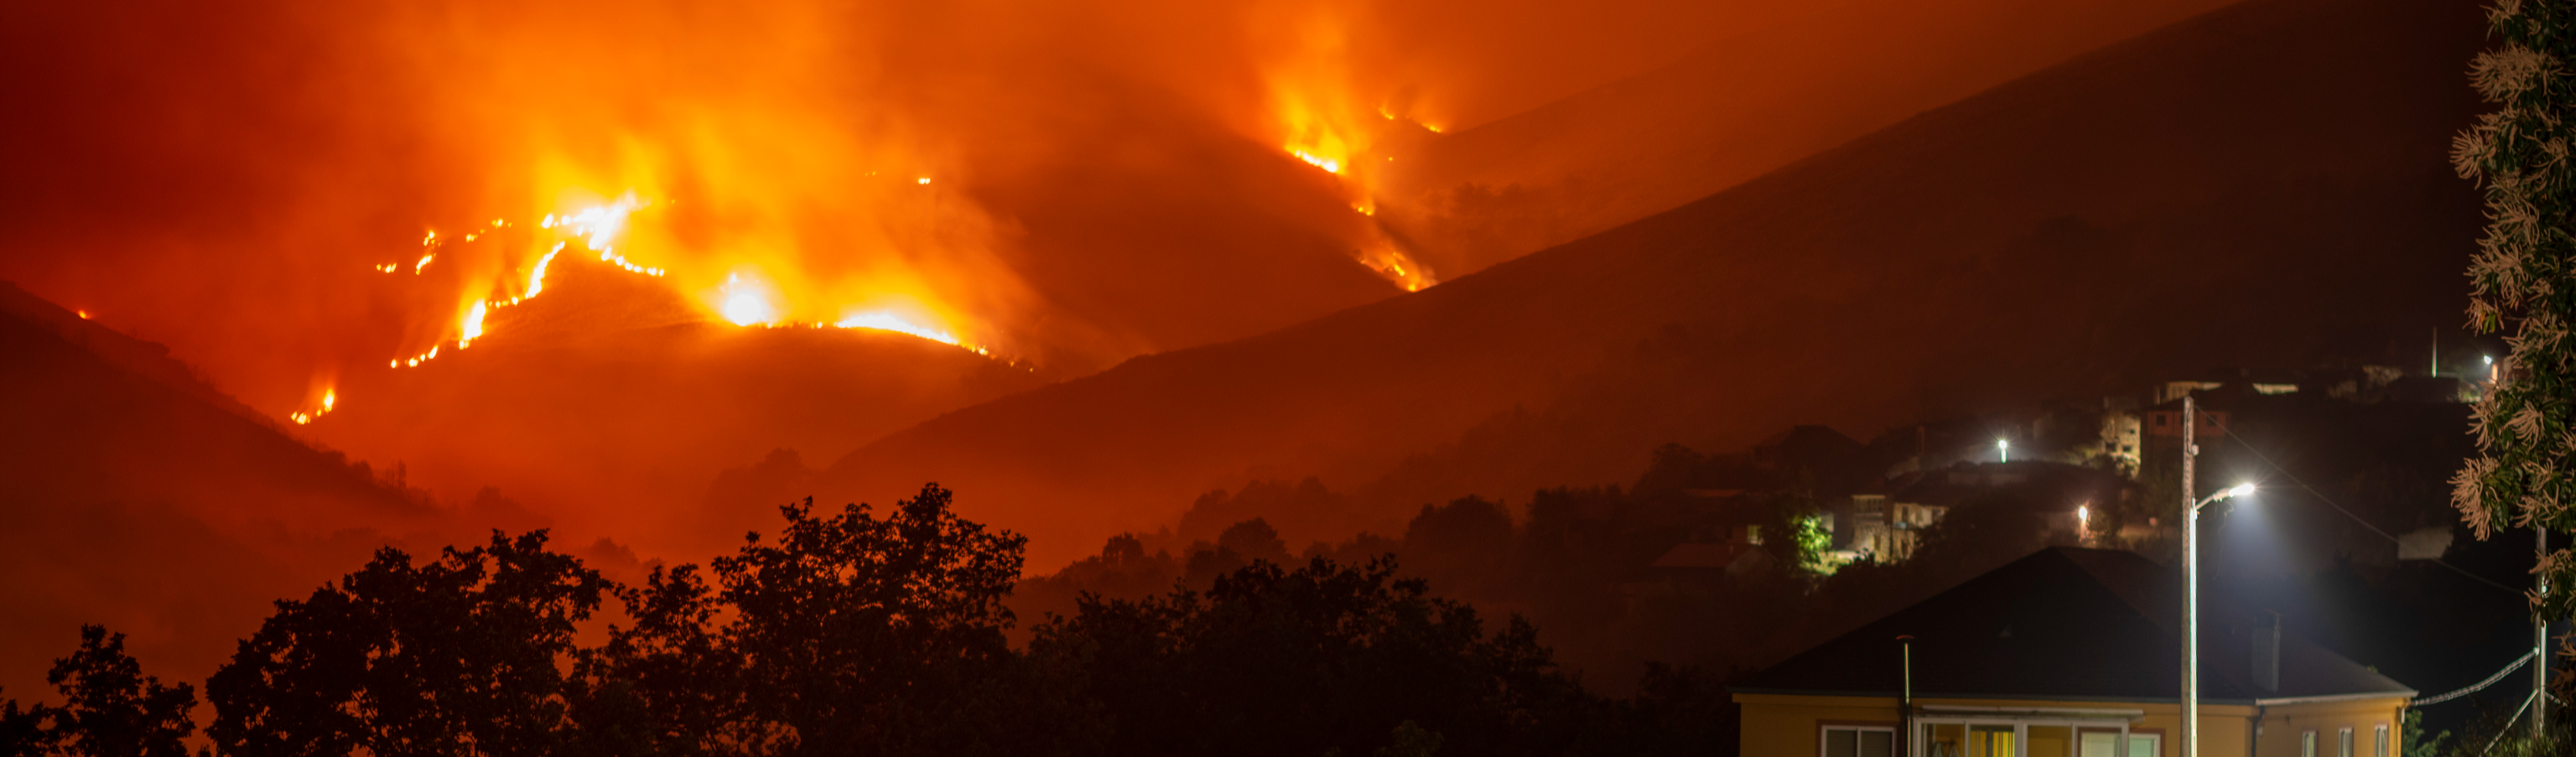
[
  {"x": 743, "y": 304},
  {"x": 884, "y": 321},
  {"x": 2489, "y": 358},
  {"x": 2241, "y": 490},
  {"x": 2003, "y": 450},
  {"x": 925, "y": 180}
]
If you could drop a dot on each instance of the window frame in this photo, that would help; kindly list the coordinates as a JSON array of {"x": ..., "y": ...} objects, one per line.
[
  {"x": 1827, "y": 726},
  {"x": 2343, "y": 742},
  {"x": 2154, "y": 735},
  {"x": 2379, "y": 739},
  {"x": 2308, "y": 743}
]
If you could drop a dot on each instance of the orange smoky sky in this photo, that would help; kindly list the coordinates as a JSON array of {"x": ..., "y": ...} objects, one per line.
[
  {"x": 228, "y": 179},
  {"x": 306, "y": 199}
]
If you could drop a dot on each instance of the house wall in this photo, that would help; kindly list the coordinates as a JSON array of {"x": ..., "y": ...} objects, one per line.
[
  {"x": 1791, "y": 725},
  {"x": 2282, "y": 724}
]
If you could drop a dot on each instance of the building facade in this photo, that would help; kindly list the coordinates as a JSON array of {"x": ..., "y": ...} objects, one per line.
[{"x": 2066, "y": 653}]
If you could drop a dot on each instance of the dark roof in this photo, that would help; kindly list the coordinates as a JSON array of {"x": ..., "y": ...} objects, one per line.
[{"x": 2065, "y": 623}]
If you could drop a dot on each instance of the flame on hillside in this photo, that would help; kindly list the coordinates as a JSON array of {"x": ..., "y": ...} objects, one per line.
[
  {"x": 1315, "y": 105},
  {"x": 330, "y": 400},
  {"x": 745, "y": 298}
]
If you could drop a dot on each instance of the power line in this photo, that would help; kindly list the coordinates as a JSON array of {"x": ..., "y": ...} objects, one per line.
[
  {"x": 2490, "y": 681},
  {"x": 2321, "y": 497}
]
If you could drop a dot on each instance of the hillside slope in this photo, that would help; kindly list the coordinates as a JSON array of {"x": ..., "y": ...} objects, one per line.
[
  {"x": 1766, "y": 96},
  {"x": 611, "y": 405},
  {"x": 2277, "y": 165},
  {"x": 137, "y": 497}
]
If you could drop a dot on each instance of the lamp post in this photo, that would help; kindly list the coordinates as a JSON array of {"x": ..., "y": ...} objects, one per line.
[
  {"x": 2191, "y": 616},
  {"x": 2191, "y": 585},
  {"x": 2003, "y": 450}
]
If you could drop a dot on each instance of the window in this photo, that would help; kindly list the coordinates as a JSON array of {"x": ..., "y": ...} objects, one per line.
[
  {"x": 1859, "y": 741},
  {"x": 2307, "y": 744},
  {"x": 2143, "y": 745},
  {"x": 1990, "y": 741},
  {"x": 2343, "y": 742},
  {"x": 2379, "y": 740}
]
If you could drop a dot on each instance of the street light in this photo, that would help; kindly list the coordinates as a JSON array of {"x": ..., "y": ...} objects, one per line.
[
  {"x": 2191, "y": 608},
  {"x": 2003, "y": 450}
]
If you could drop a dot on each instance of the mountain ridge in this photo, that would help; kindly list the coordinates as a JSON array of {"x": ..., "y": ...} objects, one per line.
[{"x": 2273, "y": 147}]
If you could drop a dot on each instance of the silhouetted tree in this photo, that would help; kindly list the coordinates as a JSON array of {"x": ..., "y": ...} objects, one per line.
[
  {"x": 1255, "y": 540},
  {"x": 1277, "y": 662},
  {"x": 458, "y": 656},
  {"x": 110, "y": 708},
  {"x": 22, "y": 731},
  {"x": 851, "y": 634}
]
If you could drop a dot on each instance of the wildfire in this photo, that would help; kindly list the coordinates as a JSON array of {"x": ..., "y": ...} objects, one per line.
[
  {"x": 743, "y": 303},
  {"x": 330, "y": 399},
  {"x": 885, "y": 321},
  {"x": 1328, "y": 164},
  {"x": 1321, "y": 119},
  {"x": 599, "y": 225},
  {"x": 1398, "y": 267},
  {"x": 537, "y": 275},
  {"x": 473, "y": 326},
  {"x": 743, "y": 299}
]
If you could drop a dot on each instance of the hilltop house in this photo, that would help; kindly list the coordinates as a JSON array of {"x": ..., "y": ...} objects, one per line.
[
  {"x": 2066, "y": 653},
  {"x": 2064, "y": 498}
]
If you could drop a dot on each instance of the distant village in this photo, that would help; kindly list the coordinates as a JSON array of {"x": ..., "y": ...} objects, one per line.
[{"x": 2096, "y": 474}]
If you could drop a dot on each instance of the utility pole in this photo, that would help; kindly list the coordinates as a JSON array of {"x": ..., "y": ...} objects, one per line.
[
  {"x": 2540, "y": 643},
  {"x": 1905, "y": 700},
  {"x": 2190, "y": 591}
]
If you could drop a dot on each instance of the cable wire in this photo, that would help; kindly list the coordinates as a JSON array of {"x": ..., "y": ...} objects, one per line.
[
  {"x": 2321, "y": 497},
  {"x": 2490, "y": 681}
]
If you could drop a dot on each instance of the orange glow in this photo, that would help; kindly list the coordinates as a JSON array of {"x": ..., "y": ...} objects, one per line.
[
  {"x": 886, "y": 321},
  {"x": 1328, "y": 164},
  {"x": 330, "y": 399},
  {"x": 84, "y": 314},
  {"x": 1318, "y": 110},
  {"x": 472, "y": 328},
  {"x": 537, "y": 275},
  {"x": 744, "y": 304}
]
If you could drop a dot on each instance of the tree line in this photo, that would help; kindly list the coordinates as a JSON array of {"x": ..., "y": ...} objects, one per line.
[{"x": 854, "y": 632}]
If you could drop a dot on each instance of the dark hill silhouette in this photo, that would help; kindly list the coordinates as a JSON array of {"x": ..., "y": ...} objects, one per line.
[
  {"x": 2218, "y": 192},
  {"x": 611, "y": 405},
  {"x": 137, "y": 496},
  {"x": 1758, "y": 100}
]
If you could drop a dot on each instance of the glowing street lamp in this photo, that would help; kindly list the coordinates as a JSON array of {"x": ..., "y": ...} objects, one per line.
[
  {"x": 2191, "y": 607},
  {"x": 2191, "y": 584},
  {"x": 2003, "y": 450}
]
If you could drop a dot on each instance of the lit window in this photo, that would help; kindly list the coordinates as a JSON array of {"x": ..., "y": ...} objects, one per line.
[
  {"x": 2343, "y": 742},
  {"x": 1859, "y": 741},
  {"x": 2143, "y": 745},
  {"x": 2379, "y": 741},
  {"x": 2308, "y": 744}
]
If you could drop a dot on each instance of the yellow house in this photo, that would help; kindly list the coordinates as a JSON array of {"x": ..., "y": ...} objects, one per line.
[{"x": 2066, "y": 653}]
